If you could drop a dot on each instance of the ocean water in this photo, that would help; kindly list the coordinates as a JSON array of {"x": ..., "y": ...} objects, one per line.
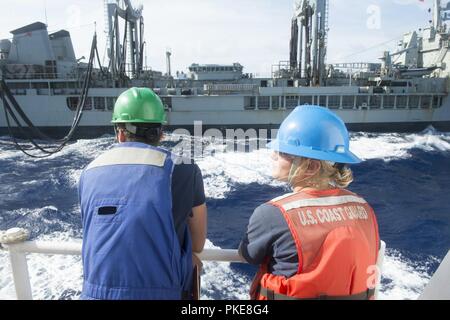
[{"x": 405, "y": 177}]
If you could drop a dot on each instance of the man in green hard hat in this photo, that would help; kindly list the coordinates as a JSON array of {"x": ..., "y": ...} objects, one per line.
[{"x": 143, "y": 212}]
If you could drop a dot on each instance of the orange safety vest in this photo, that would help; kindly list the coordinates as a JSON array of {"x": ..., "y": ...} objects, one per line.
[{"x": 336, "y": 236}]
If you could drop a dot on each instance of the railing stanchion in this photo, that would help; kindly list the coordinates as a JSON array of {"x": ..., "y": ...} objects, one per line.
[{"x": 21, "y": 276}]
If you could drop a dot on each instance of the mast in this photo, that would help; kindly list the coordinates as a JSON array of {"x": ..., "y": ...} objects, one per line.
[
  {"x": 437, "y": 20},
  {"x": 312, "y": 15},
  {"x": 293, "y": 59},
  {"x": 168, "y": 62}
]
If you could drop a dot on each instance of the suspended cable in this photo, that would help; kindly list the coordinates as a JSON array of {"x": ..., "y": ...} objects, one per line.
[
  {"x": 371, "y": 48},
  {"x": 6, "y": 95}
]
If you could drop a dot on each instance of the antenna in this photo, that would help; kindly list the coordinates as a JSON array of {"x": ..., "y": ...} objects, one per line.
[
  {"x": 168, "y": 62},
  {"x": 45, "y": 11}
]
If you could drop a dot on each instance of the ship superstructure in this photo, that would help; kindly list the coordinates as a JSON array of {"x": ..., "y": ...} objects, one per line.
[{"x": 407, "y": 91}]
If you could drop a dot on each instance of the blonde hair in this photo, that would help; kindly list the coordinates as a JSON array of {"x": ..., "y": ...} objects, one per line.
[{"x": 329, "y": 174}]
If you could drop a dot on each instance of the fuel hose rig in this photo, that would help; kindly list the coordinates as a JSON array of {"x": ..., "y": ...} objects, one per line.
[{"x": 15, "y": 115}]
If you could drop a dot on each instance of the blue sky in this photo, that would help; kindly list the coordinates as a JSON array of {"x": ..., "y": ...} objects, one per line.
[{"x": 253, "y": 32}]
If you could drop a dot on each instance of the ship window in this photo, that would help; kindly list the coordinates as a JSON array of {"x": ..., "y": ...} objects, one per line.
[
  {"x": 389, "y": 102},
  {"x": 110, "y": 102},
  {"x": 264, "y": 103},
  {"x": 413, "y": 102},
  {"x": 426, "y": 100},
  {"x": 401, "y": 102},
  {"x": 306, "y": 100},
  {"x": 348, "y": 102},
  {"x": 58, "y": 88},
  {"x": 58, "y": 85},
  {"x": 41, "y": 88},
  {"x": 375, "y": 101},
  {"x": 322, "y": 101},
  {"x": 437, "y": 102},
  {"x": 19, "y": 88},
  {"x": 19, "y": 85},
  {"x": 276, "y": 102},
  {"x": 334, "y": 102},
  {"x": 88, "y": 104},
  {"x": 39, "y": 85},
  {"x": 291, "y": 102},
  {"x": 362, "y": 101},
  {"x": 72, "y": 103},
  {"x": 99, "y": 103},
  {"x": 250, "y": 103}
]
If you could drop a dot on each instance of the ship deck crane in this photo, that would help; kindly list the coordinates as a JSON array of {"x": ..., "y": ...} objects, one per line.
[{"x": 132, "y": 43}]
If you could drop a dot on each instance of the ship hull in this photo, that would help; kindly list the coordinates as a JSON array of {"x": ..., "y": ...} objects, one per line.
[{"x": 51, "y": 114}]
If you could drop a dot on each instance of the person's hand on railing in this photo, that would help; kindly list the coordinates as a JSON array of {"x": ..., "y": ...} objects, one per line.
[{"x": 197, "y": 262}]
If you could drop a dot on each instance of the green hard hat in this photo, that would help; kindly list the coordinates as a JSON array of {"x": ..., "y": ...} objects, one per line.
[{"x": 139, "y": 105}]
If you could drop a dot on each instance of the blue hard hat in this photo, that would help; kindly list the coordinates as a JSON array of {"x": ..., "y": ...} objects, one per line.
[{"x": 316, "y": 133}]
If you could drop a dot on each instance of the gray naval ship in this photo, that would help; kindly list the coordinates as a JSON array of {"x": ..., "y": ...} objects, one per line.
[{"x": 407, "y": 91}]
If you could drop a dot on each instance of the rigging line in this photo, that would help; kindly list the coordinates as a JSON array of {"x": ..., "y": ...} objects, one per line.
[
  {"x": 372, "y": 47},
  {"x": 9, "y": 95},
  {"x": 85, "y": 88},
  {"x": 18, "y": 146},
  {"x": 99, "y": 62},
  {"x": 124, "y": 45},
  {"x": 4, "y": 89},
  {"x": 104, "y": 54},
  {"x": 6, "y": 110},
  {"x": 19, "y": 125},
  {"x": 85, "y": 92},
  {"x": 24, "y": 117},
  {"x": 82, "y": 100}
]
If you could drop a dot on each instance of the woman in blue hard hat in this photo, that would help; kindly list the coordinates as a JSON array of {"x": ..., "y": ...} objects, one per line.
[{"x": 320, "y": 241}]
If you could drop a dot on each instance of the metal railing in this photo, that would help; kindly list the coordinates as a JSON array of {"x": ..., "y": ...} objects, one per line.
[
  {"x": 18, "y": 257},
  {"x": 19, "y": 265}
]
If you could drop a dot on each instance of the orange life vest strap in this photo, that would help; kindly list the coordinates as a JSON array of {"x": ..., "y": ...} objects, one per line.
[{"x": 271, "y": 295}]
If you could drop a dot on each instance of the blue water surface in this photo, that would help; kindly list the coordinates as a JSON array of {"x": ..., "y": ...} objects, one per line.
[{"x": 410, "y": 196}]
